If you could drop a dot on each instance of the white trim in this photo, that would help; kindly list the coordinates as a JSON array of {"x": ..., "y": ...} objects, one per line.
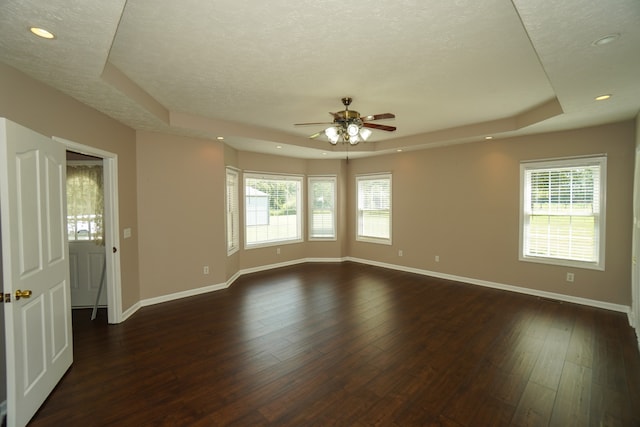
[
  {"x": 569, "y": 162},
  {"x": 370, "y": 239},
  {"x": 212, "y": 288},
  {"x": 468, "y": 280},
  {"x": 271, "y": 266},
  {"x": 236, "y": 214},
  {"x": 112, "y": 231},
  {"x": 634, "y": 318},
  {"x": 310, "y": 180},
  {"x": 300, "y": 209},
  {"x": 183, "y": 294},
  {"x": 130, "y": 311},
  {"x": 501, "y": 286}
]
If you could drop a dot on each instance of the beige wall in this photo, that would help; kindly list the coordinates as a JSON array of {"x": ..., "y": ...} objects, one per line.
[
  {"x": 181, "y": 213},
  {"x": 51, "y": 113},
  {"x": 462, "y": 203}
]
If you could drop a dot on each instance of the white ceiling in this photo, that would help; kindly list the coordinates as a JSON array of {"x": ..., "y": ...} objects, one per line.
[{"x": 452, "y": 72}]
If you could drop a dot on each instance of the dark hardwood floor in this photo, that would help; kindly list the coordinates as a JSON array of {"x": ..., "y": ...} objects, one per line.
[{"x": 354, "y": 345}]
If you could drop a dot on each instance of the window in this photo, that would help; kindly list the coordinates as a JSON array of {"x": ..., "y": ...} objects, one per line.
[
  {"x": 374, "y": 208},
  {"x": 232, "y": 214},
  {"x": 322, "y": 208},
  {"x": 273, "y": 209},
  {"x": 85, "y": 201},
  {"x": 563, "y": 212}
]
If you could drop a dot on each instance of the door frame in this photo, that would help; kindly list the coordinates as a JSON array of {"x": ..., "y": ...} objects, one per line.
[
  {"x": 634, "y": 316},
  {"x": 112, "y": 235}
]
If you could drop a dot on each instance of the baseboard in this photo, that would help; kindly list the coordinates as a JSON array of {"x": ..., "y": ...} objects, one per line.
[
  {"x": 271, "y": 266},
  {"x": 287, "y": 264},
  {"x": 130, "y": 311},
  {"x": 511, "y": 288},
  {"x": 182, "y": 294}
]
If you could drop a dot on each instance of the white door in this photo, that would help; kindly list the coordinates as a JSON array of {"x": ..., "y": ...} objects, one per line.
[
  {"x": 87, "y": 271},
  {"x": 34, "y": 259}
]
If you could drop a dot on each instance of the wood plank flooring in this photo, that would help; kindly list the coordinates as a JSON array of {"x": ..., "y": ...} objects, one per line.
[{"x": 354, "y": 345}]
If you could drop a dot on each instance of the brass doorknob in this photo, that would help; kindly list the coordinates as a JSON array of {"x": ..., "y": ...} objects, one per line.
[{"x": 22, "y": 294}]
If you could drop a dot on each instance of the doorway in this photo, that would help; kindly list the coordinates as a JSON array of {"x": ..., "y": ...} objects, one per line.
[
  {"x": 112, "y": 282},
  {"x": 85, "y": 231}
]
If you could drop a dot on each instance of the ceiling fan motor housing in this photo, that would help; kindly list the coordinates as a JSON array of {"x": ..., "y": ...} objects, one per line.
[{"x": 347, "y": 116}]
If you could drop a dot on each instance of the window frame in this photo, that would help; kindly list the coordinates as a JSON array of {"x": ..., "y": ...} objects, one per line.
[
  {"x": 299, "y": 179},
  {"x": 232, "y": 227},
  {"x": 360, "y": 237},
  {"x": 310, "y": 194},
  {"x": 599, "y": 161}
]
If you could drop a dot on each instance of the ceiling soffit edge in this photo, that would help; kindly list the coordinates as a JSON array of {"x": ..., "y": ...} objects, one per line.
[{"x": 214, "y": 127}]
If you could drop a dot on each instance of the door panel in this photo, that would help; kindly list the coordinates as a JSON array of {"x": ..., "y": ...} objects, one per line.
[
  {"x": 86, "y": 265},
  {"x": 30, "y": 237},
  {"x": 55, "y": 208},
  {"x": 33, "y": 329},
  {"x": 34, "y": 257}
]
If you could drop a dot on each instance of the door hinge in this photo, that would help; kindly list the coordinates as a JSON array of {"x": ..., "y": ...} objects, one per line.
[{"x": 5, "y": 297}]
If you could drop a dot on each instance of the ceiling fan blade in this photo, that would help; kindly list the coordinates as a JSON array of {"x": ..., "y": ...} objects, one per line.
[
  {"x": 379, "y": 127},
  {"x": 379, "y": 117},
  {"x": 309, "y": 124}
]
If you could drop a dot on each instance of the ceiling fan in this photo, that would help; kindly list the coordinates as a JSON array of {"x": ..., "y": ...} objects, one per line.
[{"x": 349, "y": 126}]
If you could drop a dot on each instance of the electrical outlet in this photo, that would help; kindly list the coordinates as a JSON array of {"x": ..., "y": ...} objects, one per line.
[
  {"x": 437, "y": 258},
  {"x": 277, "y": 251},
  {"x": 205, "y": 269},
  {"x": 400, "y": 253},
  {"x": 570, "y": 277}
]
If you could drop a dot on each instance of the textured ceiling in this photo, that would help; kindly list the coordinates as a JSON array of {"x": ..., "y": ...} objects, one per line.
[{"x": 452, "y": 72}]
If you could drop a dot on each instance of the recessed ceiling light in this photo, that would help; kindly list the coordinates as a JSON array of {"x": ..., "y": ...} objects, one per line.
[
  {"x": 324, "y": 154},
  {"x": 488, "y": 138},
  {"x": 399, "y": 150},
  {"x": 609, "y": 38},
  {"x": 41, "y": 32},
  {"x": 603, "y": 97},
  {"x": 278, "y": 146},
  {"x": 220, "y": 138}
]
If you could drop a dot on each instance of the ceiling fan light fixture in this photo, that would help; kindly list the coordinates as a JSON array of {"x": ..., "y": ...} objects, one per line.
[
  {"x": 331, "y": 132},
  {"x": 349, "y": 127},
  {"x": 365, "y": 133}
]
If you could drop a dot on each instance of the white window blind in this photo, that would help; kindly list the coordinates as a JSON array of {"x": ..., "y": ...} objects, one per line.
[
  {"x": 273, "y": 209},
  {"x": 563, "y": 212},
  {"x": 322, "y": 204},
  {"x": 232, "y": 212},
  {"x": 374, "y": 208}
]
